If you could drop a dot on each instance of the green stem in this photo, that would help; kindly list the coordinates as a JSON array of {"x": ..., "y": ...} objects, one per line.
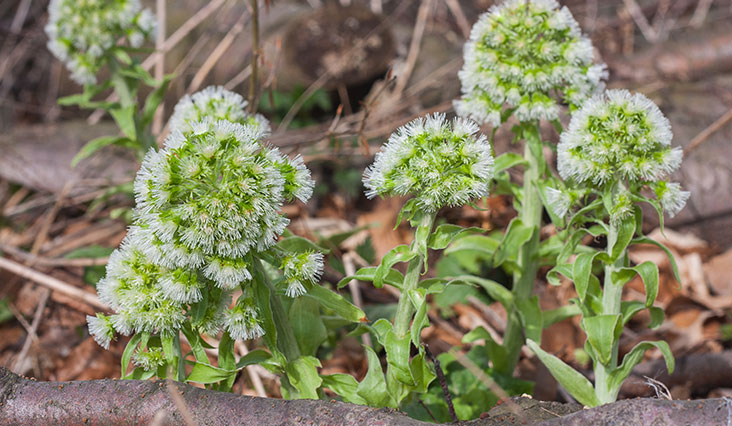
[
  {"x": 405, "y": 309},
  {"x": 286, "y": 340},
  {"x": 528, "y": 259},
  {"x": 612, "y": 294}
]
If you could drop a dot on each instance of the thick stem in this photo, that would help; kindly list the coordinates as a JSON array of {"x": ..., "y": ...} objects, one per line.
[
  {"x": 405, "y": 309},
  {"x": 612, "y": 294},
  {"x": 528, "y": 262}
]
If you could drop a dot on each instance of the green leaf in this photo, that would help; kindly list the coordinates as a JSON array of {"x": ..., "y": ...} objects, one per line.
[
  {"x": 300, "y": 245},
  {"x": 497, "y": 353},
  {"x": 507, "y": 160},
  {"x": 422, "y": 373},
  {"x": 560, "y": 314},
  {"x": 626, "y": 230},
  {"x": 444, "y": 234},
  {"x": 600, "y": 331},
  {"x": 515, "y": 237},
  {"x": 5, "y": 312},
  {"x": 657, "y": 317},
  {"x": 335, "y": 302},
  {"x": 345, "y": 386},
  {"x": 577, "y": 384},
  {"x": 566, "y": 269},
  {"x": 397, "y": 355},
  {"x": 420, "y": 320},
  {"x": 205, "y": 374},
  {"x": 582, "y": 271},
  {"x": 89, "y": 252},
  {"x": 154, "y": 99},
  {"x": 307, "y": 324},
  {"x": 253, "y": 357},
  {"x": 634, "y": 357},
  {"x": 393, "y": 277},
  {"x": 226, "y": 352},
  {"x": 196, "y": 343},
  {"x": 262, "y": 296},
  {"x": 129, "y": 350},
  {"x": 531, "y": 317},
  {"x": 648, "y": 272},
  {"x": 303, "y": 376},
  {"x": 495, "y": 290},
  {"x": 474, "y": 243},
  {"x": 396, "y": 255},
  {"x": 125, "y": 119},
  {"x": 96, "y": 144},
  {"x": 373, "y": 386},
  {"x": 674, "y": 267}
]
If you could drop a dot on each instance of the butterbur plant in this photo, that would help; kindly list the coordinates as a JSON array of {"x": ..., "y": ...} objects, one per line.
[
  {"x": 207, "y": 229},
  {"x": 437, "y": 163},
  {"x": 524, "y": 59},
  {"x": 617, "y": 149},
  {"x": 90, "y": 36}
]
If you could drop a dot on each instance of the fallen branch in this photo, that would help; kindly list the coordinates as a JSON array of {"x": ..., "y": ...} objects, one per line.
[{"x": 135, "y": 402}]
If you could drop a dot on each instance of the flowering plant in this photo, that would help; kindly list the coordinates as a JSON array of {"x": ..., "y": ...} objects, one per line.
[
  {"x": 523, "y": 59},
  {"x": 617, "y": 144},
  {"x": 90, "y": 35},
  {"x": 206, "y": 223},
  {"x": 438, "y": 163}
]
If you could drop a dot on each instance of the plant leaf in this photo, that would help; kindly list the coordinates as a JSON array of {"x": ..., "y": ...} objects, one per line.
[
  {"x": 373, "y": 386},
  {"x": 517, "y": 234},
  {"x": 396, "y": 255},
  {"x": 303, "y": 376},
  {"x": 205, "y": 374},
  {"x": 600, "y": 331},
  {"x": 635, "y": 356},
  {"x": 444, "y": 234},
  {"x": 307, "y": 324},
  {"x": 577, "y": 384},
  {"x": 335, "y": 302},
  {"x": 393, "y": 277},
  {"x": 506, "y": 161},
  {"x": 96, "y": 144},
  {"x": 345, "y": 386},
  {"x": 475, "y": 243}
]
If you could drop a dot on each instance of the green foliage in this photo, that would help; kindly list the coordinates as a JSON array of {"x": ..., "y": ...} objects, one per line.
[{"x": 277, "y": 103}]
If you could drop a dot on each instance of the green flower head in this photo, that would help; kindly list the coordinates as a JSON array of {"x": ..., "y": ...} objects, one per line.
[
  {"x": 135, "y": 289},
  {"x": 214, "y": 194},
  {"x": 520, "y": 55},
  {"x": 214, "y": 103},
  {"x": 619, "y": 136},
  {"x": 82, "y": 32},
  {"x": 438, "y": 162}
]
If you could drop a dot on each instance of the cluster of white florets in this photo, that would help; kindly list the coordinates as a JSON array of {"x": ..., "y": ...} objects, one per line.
[
  {"x": 619, "y": 136},
  {"x": 299, "y": 268},
  {"x": 520, "y": 55},
  {"x": 437, "y": 161},
  {"x": 207, "y": 204},
  {"x": 214, "y": 103},
  {"x": 82, "y": 32}
]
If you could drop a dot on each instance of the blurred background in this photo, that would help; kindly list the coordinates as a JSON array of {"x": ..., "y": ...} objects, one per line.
[{"x": 336, "y": 78}]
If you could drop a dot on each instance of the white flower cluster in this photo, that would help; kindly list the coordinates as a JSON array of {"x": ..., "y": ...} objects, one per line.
[
  {"x": 438, "y": 162},
  {"x": 622, "y": 136},
  {"x": 214, "y": 103},
  {"x": 207, "y": 203},
  {"x": 81, "y": 32},
  {"x": 299, "y": 268},
  {"x": 520, "y": 54}
]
